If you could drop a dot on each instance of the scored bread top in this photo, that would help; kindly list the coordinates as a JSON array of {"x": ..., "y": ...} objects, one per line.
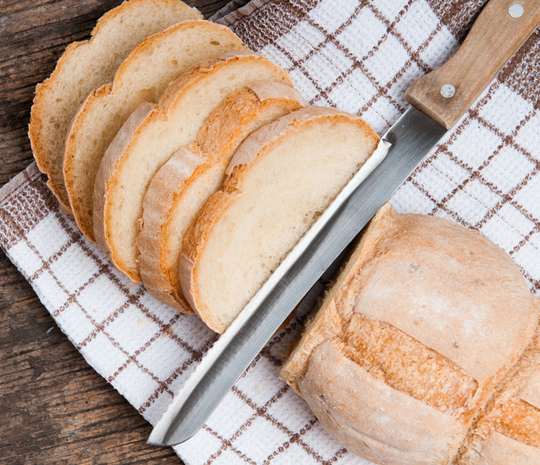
[
  {"x": 372, "y": 419},
  {"x": 279, "y": 180},
  {"x": 509, "y": 431},
  {"x": 424, "y": 308},
  {"x": 85, "y": 66},
  {"x": 142, "y": 77},
  {"x": 172, "y": 124},
  {"x": 182, "y": 185}
]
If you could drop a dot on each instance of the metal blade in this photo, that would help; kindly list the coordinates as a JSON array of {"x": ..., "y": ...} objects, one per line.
[{"x": 401, "y": 149}]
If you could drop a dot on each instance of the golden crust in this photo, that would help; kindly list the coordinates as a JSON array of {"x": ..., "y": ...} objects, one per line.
[
  {"x": 373, "y": 420},
  {"x": 111, "y": 158},
  {"x": 75, "y": 199},
  {"x": 167, "y": 188},
  {"x": 241, "y": 112},
  {"x": 194, "y": 243},
  {"x": 510, "y": 424},
  {"x": 46, "y": 160}
]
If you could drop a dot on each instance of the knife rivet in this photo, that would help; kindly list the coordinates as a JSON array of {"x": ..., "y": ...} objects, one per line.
[
  {"x": 516, "y": 10},
  {"x": 448, "y": 91}
]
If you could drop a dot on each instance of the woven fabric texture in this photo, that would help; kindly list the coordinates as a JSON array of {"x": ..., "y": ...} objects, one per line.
[{"x": 359, "y": 56}]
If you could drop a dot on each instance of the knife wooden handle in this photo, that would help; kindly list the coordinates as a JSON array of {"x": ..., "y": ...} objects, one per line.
[{"x": 495, "y": 36}]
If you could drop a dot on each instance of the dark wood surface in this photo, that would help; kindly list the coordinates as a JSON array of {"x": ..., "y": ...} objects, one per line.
[{"x": 54, "y": 408}]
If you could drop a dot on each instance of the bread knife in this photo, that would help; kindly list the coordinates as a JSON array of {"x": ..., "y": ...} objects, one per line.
[{"x": 439, "y": 99}]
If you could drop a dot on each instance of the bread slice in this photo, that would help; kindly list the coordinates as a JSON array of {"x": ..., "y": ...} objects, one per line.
[
  {"x": 125, "y": 175},
  {"x": 85, "y": 66},
  {"x": 184, "y": 183},
  {"x": 142, "y": 77},
  {"x": 279, "y": 180},
  {"x": 413, "y": 341}
]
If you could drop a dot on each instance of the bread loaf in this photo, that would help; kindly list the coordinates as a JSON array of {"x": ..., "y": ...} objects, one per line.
[
  {"x": 85, "y": 66},
  {"x": 142, "y": 77},
  {"x": 124, "y": 175},
  {"x": 184, "y": 183},
  {"x": 422, "y": 350},
  {"x": 279, "y": 180}
]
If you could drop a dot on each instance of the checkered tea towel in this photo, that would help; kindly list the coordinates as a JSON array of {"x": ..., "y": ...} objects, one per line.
[{"x": 359, "y": 56}]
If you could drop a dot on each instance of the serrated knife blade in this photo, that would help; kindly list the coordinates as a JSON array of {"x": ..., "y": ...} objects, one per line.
[
  {"x": 396, "y": 157},
  {"x": 442, "y": 96}
]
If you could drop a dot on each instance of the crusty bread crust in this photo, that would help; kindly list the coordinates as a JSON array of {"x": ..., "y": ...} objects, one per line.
[
  {"x": 499, "y": 449},
  {"x": 82, "y": 158},
  {"x": 54, "y": 96},
  {"x": 110, "y": 158},
  {"x": 240, "y": 112},
  {"x": 195, "y": 239},
  {"x": 108, "y": 196},
  {"x": 252, "y": 150},
  {"x": 367, "y": 416},
  {"x": 509, "y": 429},
  {"x": 265, "y": 138},
  {"x": 421, "y": 280},
  {"x": 159, "y": 240},
  {"x": 167, "y": 188}
]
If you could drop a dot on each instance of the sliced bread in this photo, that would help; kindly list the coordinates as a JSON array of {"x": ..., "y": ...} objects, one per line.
[
  {"x": 278, "y": 182},
  {"x": 84, "y": 67},
  {"x": 142, "y": 77},
  {"x": 124, "y": 176},
  {"x": 184, "y": 183}
]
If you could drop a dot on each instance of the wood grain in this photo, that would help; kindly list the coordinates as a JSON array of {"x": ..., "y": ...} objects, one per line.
[
  {"x": 54, "y": 408},
  {"x": 492, "y": 41}
]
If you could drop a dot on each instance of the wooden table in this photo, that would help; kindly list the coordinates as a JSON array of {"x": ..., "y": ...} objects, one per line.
[{"x": 54, "y": 408}]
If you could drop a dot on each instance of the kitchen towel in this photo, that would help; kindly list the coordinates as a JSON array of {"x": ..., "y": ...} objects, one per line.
[{"x": 359, "y": 56}]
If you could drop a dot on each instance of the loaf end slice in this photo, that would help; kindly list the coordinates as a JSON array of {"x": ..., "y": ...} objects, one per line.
[
  {"x": 180, "y": 188},
  {"x": 84, "y": 67},
  {"x": 279, "y": 181},
  {"x": 142, "y": 77}
]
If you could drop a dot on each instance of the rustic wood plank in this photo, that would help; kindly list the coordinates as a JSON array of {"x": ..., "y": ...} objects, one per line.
[{"x": 55, "y": 409}]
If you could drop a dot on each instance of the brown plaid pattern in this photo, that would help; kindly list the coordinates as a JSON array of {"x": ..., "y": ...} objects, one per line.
[{"x": 359, "y": 56}]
